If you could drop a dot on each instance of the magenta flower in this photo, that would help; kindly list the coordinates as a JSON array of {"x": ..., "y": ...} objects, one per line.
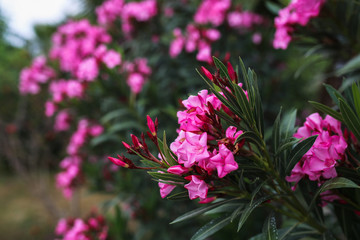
[
  {"x": 329, "y": 147},
  {"x": 62, "y": 121},
  {"x": 212, "y": 11},
  {"x": 224, "y": 161},
  {"x": 197, "y": 188},
  {"x": 165, "y": 189},
  {"x": 88, "y": 70},
  {"x": 177, "y": 170}
]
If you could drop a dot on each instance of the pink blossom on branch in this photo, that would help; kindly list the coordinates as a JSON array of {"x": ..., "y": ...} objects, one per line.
[
  {"x": 197, "y": 188},
  {"x": 329, "y": 148},
  {"x": 297, "y": 12}
]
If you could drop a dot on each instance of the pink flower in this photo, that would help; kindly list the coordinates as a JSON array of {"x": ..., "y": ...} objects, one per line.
[
  {"x": 329, "y": 147},
  {"x": 177, "y": 170},
  {"x": 61, "y": 227},
  {"x": 31, "y": 77},
  {"x": 232, "y": 134},
  {"x": 224, "y": 161},
  {"x": 111, "y": 59},
  {"x": 197, "y": 188},
  {"x": 297, "y": 12},
  {"x": 50, "y": 108},
  {"x": 165, "y": 189},
  {"x": 62, "y": 121},
  {"x": 212, "y": 11},
  {"x": 136, "y": 82},
  {"x": 96, "y": 130},
  {"x": 88, "y": 70},
  {"x": 193, "y": 149}
]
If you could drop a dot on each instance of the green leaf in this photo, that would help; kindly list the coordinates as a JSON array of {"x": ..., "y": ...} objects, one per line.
[
  {"x": 350, "y": 119},
  {"x": 251, "y": 137},
  {"x": 298, "y": 152},
  {"x": 166, "y": 176},
  {"x": 288, "y": 124},
  {"x": 223, "y": 69},
  {"x": 250, "y": 208},
  {"x": 103, "y": 138},
  {"x": 325, "y": 109},
  {"x": 276, "y": 133},
  {"x": 169, "y": 158},
  {"x": 199, "y": 211},
  {"x": 179, "y": 196},
  {"x": 286, "y": 145},
  {"x": 352, "y": 65},
  {"x": 339, "y": 182},
  {"x": 269, "y": 230},
  {"x": 272, "y": 7},
  {"x": 211, "y": 227},
  {"x": 113, "y": 114},
  {"x": 125, "y": 126},
  {"x": 356, "y": 96},
  {"x": 244, "y": 104},
  {"x": 334, "y": 94}
]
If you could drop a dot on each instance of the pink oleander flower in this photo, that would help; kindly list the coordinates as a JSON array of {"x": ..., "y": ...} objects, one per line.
[
  {"x": 71, "y": 175},
  {"x": 197, "y": 188},
  {"x": 177, "y": 44},
  {"x": 50, "y": 108},
  {"x": 297, "y": 12},
  {"x": 178, "y": 170},
  {"x": 232, "y": 134},
  {"x": 111, "y": 59},
  {"x": 88, "y": 70},
  {"x": 224, "y": 161},
  {"x": 74, "y": 44},
  {"x": 135, "y": 82},
  {"x": 244, "y": 20},
  {"x": 95, "y": 130},
  {"x": 62, "y": 89},
  {"x": 31, "y": 77},
  {"x": 195, "y": 106},
  {"x": 322, "y": 158},
  {"x": 212, "y": 11},
  {"x": 109, "y": 11},
  {"x": 165, "y": 189},
  {"x": 192, "y": 149},
  {"x": 94, "y": 228},
  {"x": 62, "y": 121}
]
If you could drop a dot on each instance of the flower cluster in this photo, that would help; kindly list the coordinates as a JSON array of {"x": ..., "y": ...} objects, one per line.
[
  {"x": 212, "y": 11},
  {"x": 202, "y": 154},
  {"x": 195, "y": 38},
  {"x": 62, "y": 121},
  {"x": 111, "y": 10},
  {"x": 71, "y": 176},
  {"x": 320, "y": 161},
  {"x": 94, "y": 228},
  {"x": 83, "y": 132},
  {"x": 79, "y": 48},
  {"x": 297, "y": 12},
  {"x": 138, "y": 71},
  {"x": 31, "y": 77}
]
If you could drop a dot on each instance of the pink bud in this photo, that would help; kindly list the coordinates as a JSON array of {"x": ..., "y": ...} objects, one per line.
[
  {"x": 231, "y": 71},
  {"x": 151, "y": 125},
  {"x": 178, "y": 170},
  {"x": 118, "y": 162},
  {"x": 207, "y": 73}
]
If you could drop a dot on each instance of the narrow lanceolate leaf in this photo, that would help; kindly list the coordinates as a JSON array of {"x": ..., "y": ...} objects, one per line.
[
  {"x": 211, "y": 227},
  {"x": 350, "y": 119},
  {"x": 244, "y": 104},
  {"x": 356, "y": 95},
  {"x": 276, "y": 133},
  {"x": 199, "y": 211},
  {"x": 166, "y": 176},
  {"x": 114, "y": 114},
  {"x": 251, "y": 137},
  {"x": 269, "y": 230},
  {"x": 339, "y": 182},
  {"x": 169, "y": 159},
  {"x": 288, "y": 124},
  {"x": 350, "y": 66},
  {"x": 334, "y": 94},
  {"x": 223, "y": 69},
  {"x": 325, "y": 109},
  {"x": 288, "y": 143},
  {"x": 250, "y": 208},
  {"x": 298, "y": 152}
]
